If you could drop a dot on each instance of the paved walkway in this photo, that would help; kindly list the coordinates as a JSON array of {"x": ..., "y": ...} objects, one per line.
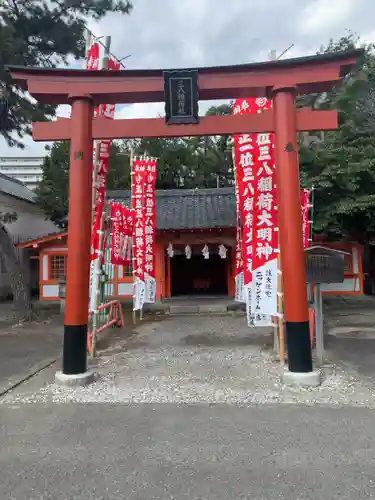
[
  {"x": 350, "y": 333},
  {"x": 27, "y": 348},
  {"x": 200, "y": 359}
]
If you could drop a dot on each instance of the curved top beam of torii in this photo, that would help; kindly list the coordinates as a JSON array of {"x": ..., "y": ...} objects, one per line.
[{"x": 305, "y": 74}]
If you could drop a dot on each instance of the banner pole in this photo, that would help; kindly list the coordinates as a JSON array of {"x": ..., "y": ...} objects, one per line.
[
  {"x": 98, "y": 262},
  {"x": 97, "y": 271},
  {"x": 238, "y": 225},
  {"x": 88, "y": 38},
  {"x": 312, "y": 213},
  {"x": 280, "y": 316},
  {"x": 105, "y": 59},
  {"x": 131, "y": 160}
]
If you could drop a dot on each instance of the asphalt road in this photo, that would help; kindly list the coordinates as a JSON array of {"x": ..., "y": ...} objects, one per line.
[{"x": 144, "y": 452}]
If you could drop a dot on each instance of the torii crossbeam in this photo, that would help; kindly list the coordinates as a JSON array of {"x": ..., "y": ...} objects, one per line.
[
  {"x": 280, "y": 81},
  {"x": 307, "y": 120}
]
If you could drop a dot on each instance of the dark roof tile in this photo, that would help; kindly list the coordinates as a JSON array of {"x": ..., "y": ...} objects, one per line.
[
  {"x": 190, "y": 208},
  {"x": 17, "y": 189}
]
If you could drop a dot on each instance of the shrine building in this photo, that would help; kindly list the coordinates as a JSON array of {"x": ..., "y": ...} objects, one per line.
[{"x": 184, "y": 218}]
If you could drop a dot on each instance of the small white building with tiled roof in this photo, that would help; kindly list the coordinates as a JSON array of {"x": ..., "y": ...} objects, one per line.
[{"x": 30, "y": 223}]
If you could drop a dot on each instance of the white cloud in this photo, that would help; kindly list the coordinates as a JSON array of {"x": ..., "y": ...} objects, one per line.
[
  {"x": 189, "y": 33},
  {"x": 322, "y": 14},
  {"x": 144, "y": 110},
  {"x": 156, "y": 109}
]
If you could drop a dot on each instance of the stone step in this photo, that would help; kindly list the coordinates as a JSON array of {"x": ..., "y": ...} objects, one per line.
[{"x": 184, "y": 308}]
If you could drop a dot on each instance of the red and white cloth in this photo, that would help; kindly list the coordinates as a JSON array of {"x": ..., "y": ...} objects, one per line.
[
  {"x": 99, "y": 179},
  {"x": 150, "y": 230},
  {"x": 122, "y": 219},
  {"x": 93, "y": 56},
  {"x": 239, "y": 107},
  {"x": 256, "y": 200},
  {"x": 100, "y": 170},
  {"x": 144, "y": 206},
  {"x": 246, "y": 153},
  {"x": 138, "y": 192},
  {"x": 139, "y": 248},
  {"x": 265, "y": 236},
  {"x": 306, "y": 205}
]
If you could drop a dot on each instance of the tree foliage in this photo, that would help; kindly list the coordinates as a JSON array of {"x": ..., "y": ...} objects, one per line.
[
  {"x": 41, "y": 33},
  {"x": 53, "y": 190},
  {"x": 188, "y": 162},
  {"x": 191, "y": 162},
  {"x": 342, "y": 167}
]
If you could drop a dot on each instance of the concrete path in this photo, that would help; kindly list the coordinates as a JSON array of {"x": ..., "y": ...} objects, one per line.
[
  {"x": 26, "y": 349},
  {"x": 350, "y": 333},
  {"x": 199, "y": 359},
  {"x": 198, "y": 452}
]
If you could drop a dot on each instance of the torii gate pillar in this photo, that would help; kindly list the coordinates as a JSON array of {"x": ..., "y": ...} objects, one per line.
[
  {"x": 291, "y": 239},
  {"x": 79, "y": 240}
]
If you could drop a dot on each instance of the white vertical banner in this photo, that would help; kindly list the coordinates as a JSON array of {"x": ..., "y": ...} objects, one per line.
[
  {"x": 240, "y": 289},
  {"x": 255, "y": 320},
  {"x": 139, "y": 289}
]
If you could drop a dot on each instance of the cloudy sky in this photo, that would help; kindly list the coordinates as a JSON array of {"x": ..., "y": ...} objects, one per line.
[{"x": 190, "y": 33}]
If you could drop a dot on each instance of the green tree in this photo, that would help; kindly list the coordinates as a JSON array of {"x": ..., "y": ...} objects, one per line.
[
  {"x": 41, "y": 33},
  {"x": 175, "y": 161},
  {"x": 53, "y": 190},
  {"x": 191, "y": 162},
  {"x": 213, "y": 155},
  {"x": 342, "y": 167}
]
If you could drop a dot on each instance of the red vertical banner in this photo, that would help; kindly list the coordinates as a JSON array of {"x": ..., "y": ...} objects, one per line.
[
  {"x": 117, "y": 222},
  {"x": 240, "y": 106},
  {"x": 101, "y": 169},
  {"x": 122, "y": 226},
  {"x": 306, "y": 205},
  {"x": 138, "y": 192},
  {"x": 138, "y": 196},
  {"x": 266, "y": 234},
  {"x": 150, "y": 230},
  {"x": 92, "y": 62},
  {"x": 246, "y": 155},
  {"x": 127, "y": 235}
]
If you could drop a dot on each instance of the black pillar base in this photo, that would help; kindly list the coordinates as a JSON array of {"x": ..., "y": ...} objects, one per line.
[
  {"x": 299, "y": 346},
  {"x": 74, "y": 350}
]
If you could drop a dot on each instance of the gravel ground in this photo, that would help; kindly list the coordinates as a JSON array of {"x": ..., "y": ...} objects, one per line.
[{"x": 213, "y": 359}]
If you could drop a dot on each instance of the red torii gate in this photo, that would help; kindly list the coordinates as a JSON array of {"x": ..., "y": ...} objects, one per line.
[{"x": 279, "y": 80}]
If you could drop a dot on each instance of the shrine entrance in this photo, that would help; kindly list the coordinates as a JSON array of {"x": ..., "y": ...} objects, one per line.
[
  {"x": 280, "y": 81},
  {"x": 198, "y": 276}
]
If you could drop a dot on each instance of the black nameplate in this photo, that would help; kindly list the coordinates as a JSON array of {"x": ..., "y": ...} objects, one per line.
[{"x": 181, "y": 97}]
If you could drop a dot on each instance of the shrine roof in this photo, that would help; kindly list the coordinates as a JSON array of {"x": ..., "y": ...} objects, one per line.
[
  {"x": 308, "y": 74},
  {"x": 178, "y": 209},
  {"x": 16, "y": 189}
]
